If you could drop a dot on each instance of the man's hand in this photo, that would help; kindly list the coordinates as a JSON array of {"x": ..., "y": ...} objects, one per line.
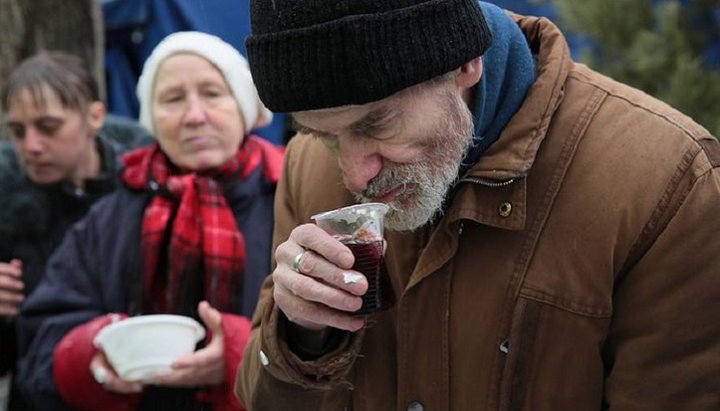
[
  {"x": 11, "y": 288},
  {"x": 322, "y": 291},
  {"x": 204, "y": 366}
]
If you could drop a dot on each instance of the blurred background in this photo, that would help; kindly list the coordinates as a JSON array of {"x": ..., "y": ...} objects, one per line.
[{"x": 668, "y": 48}]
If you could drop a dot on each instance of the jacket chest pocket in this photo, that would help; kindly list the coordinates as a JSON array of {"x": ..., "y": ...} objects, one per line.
[{"x": 551, "y": 359}]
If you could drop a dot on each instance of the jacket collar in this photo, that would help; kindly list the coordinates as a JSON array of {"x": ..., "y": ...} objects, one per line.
[
  {"x": 498, "y": 178},
  {"x": 507, "y": 75}
]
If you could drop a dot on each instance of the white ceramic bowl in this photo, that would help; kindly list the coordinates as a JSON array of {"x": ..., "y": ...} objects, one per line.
[{"x": 142, "y": 347}]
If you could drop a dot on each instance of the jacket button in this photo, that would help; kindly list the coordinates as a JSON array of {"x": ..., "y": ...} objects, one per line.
[
  {"x": 505, "y": 346},
  {"x": 264, "y": 359},
  {"x": 505, "y": 209},
  {"x": 415, "y": 406}
]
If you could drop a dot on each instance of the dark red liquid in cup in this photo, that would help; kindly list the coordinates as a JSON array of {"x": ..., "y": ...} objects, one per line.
[{"x": 369, "y": 261}]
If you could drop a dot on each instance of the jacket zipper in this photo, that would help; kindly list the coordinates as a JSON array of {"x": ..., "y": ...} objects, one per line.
[{"x": 487, "y": 182}]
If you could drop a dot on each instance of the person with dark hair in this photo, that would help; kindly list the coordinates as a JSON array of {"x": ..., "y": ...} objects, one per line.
[
  {"x": 61, "y": 158},
  {"x": 552, "y": 233},
  {"x": 188, "y": 233}
]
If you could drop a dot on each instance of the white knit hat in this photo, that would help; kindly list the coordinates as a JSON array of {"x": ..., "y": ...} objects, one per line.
[{"x": 225, "y": 57}]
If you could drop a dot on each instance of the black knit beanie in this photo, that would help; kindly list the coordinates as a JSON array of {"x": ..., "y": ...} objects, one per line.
[{"x": 312, "y": 54}]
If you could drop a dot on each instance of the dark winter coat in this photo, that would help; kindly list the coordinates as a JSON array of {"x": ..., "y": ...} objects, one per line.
[
  {"x": 98, "y": 270},
  {"x": 34, "y": 218}
]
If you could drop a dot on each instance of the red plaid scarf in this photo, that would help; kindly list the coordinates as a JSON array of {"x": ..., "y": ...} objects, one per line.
[{"x": 204, "y": 235}]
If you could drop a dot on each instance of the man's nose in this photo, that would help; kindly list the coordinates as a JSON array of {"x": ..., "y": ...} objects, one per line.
[{"x": 359, "y": 163}]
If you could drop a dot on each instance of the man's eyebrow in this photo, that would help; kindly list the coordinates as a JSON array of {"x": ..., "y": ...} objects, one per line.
[
  {"x": 373, "y": 122},
  {"x": 370, "y": 124},
  {"x": 299, "y": 128}
]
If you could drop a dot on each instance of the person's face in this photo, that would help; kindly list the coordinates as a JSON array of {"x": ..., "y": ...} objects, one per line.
[
  {"x": 404, "y": 150},
  {"x": 53, "y": 143},
  {"x": 196, "y": 117}
]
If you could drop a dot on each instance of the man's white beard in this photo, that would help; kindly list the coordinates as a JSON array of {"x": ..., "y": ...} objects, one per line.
[{"x": 426, "y": 183}]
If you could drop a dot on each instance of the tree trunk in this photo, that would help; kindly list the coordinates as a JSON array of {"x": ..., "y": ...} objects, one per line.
[{"x": 73, "y": 26}]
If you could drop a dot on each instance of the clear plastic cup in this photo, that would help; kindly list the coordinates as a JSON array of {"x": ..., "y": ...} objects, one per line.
[{"x": 360, "y": 228}]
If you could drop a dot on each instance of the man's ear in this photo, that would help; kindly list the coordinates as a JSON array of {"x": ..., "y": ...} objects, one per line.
[
  {"x": 469, "y": 73},
  {"x": 96, "y": 116}
]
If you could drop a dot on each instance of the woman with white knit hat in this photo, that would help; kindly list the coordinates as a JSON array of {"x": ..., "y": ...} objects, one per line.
[{"x": 189, "y": 233}]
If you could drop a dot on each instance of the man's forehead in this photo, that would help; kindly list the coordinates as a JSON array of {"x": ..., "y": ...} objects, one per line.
[{"x": 342, "y": 117}]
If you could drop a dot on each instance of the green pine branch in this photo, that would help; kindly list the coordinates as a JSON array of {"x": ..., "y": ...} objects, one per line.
[{"x": 656, "y": 50}]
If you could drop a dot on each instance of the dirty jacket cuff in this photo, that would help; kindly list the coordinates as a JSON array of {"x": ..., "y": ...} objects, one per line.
[
  {"x": 328, "y": 370},
  {"x": 309, "y": 344}
]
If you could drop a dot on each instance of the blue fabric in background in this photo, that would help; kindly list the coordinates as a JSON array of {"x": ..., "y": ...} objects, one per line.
[{"x": 134, "y": 27}]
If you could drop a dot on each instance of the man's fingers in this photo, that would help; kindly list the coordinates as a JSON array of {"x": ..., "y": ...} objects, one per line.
[
  {"x": 312, "y": 237},
  {"x": 310, "y": 289},
  {"x": 311, "y": 314},
  {"x": 314, "y": 265},
  {"x": 314, "y": 284}
]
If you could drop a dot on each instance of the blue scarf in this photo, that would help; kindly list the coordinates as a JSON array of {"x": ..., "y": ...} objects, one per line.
[{"x": 508, "y": 73}]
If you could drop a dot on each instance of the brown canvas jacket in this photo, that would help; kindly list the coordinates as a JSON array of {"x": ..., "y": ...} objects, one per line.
[{"x": 577, "y": 268}]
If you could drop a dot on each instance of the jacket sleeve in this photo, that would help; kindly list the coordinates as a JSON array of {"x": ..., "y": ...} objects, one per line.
[
  {"x": 663, "y": 348},
  {"x": 236, "y": 331},
  {"x": 271, "y": 377},
  {"x": 71, "y": 370}
]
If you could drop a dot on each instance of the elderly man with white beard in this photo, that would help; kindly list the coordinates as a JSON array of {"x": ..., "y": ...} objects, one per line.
[{"x": 552, "y": 234}]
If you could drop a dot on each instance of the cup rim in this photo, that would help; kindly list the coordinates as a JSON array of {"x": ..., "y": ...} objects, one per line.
[{"x": 373, "y": 205}]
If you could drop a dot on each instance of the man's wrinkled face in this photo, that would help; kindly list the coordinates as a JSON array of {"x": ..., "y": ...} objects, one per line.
[{"x": 404, "y": 150}]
